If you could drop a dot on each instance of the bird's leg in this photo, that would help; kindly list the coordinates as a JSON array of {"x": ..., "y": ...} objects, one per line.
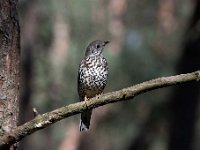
[{"x": 85, "y": 100}]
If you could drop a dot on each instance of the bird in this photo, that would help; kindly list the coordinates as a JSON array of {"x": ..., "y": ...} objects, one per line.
[{"x": 92, "y": 77}]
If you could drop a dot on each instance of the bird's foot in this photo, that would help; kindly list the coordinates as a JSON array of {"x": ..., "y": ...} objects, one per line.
[
  {"x": 86, "y": 99},
  {"x": 98, "y": 95}
]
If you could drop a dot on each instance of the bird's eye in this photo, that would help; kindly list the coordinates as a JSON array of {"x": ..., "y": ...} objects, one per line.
[{"x": 98, "y": 46}]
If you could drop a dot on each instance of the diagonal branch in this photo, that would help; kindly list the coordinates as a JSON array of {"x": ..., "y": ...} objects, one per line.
[{"x": 44, "y": 120}]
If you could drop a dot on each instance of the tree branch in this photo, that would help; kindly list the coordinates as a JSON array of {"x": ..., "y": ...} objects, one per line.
[{"x": 44, "y": 120}]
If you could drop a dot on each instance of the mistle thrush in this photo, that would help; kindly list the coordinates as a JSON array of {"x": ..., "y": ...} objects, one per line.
[{"x": 92, "y": 77}]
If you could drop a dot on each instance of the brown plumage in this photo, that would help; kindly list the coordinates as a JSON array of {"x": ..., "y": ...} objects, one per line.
[{"x": 92, "y": 77}]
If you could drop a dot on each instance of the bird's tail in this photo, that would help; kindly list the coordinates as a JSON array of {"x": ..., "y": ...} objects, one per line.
[{"x": 85, "y": 120}]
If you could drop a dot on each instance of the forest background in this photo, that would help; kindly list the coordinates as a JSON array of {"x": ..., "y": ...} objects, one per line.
[{"x": 148, "y": 40}]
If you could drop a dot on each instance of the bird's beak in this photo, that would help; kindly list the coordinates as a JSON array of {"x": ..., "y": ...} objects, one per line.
[{"x": 106, "y": 42}]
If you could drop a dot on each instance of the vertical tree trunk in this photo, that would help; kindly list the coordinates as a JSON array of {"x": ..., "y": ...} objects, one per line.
[
  {"x": 117, "y": 9},
  {"x": 9, "y": 66}
]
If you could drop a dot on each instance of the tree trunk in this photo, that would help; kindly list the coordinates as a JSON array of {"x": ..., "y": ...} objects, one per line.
[{"x": 9, "y": 66}]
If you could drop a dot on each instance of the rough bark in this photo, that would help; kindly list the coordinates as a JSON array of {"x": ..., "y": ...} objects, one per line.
[
  {"x": 9, "y": 66},
  {"x": 44, "y": 120}
]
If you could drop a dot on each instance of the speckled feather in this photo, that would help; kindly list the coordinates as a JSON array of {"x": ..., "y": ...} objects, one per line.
[{"x": 92, "y": 77}]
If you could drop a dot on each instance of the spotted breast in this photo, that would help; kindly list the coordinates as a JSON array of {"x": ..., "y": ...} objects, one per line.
[{"x": 92, "y": 77}]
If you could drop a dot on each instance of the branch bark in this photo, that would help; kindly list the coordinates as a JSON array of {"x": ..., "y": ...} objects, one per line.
[{"x": 44, "y": 120}]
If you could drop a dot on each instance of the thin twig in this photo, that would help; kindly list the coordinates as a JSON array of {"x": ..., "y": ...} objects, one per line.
[{"x": 35, "y": 112}]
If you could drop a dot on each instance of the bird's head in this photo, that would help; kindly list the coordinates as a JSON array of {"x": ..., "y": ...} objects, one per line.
[{"x": 95, "y": 48}]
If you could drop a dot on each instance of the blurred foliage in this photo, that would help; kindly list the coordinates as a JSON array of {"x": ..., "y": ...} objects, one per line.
[{"x": 147, "y": 52}]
